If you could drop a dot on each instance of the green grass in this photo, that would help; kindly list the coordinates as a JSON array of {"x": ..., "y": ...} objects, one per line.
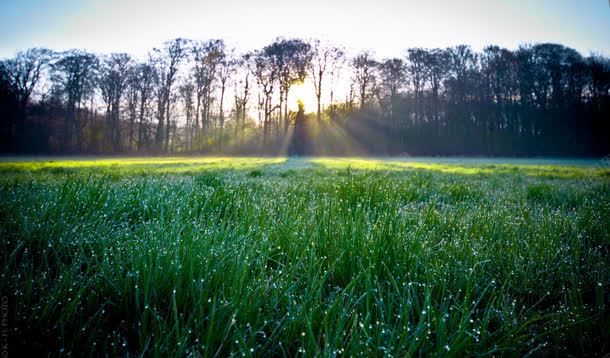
[{"x": 305, "y": 257}]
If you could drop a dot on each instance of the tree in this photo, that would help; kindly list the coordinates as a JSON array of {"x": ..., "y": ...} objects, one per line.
[
  {"x": 599, "y": 78},
  {"x": 541, "y": 99},
  {"x": 499, "y": 81},
  {"x": 324, "y": 58},
  {"x": 364, "y": 74},
  {"x": 393, "y": 75},
  {"x": 186, "y": 91},
  {"x": 291, "y": 58},
  {"x": 462, "y": 64},
  {"x": 242, "y": 94},
  {"x": 417, "y": 69},
  {"x": 22, "y": 75},
  {"x": 8, "y": 108},
  {"x": 556, "y": 64},
  {"x": 225, "y": 71},
  {"x": 143, "y": 80},
  {"x": 75, "y": 75},
  {"x": 113, "y": 81},
  {"x": 132, "y": 99},
  {"x": 266, "y": 75},
  {"x": 168, "y": 62},
  {"x": 299, "y": 144},
  {"x": 207, "y": 57},
  {"x": 436, "y": 63}
]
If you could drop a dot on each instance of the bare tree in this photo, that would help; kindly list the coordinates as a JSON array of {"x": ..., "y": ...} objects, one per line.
[
  {"x": 291, "y": 58},
  {"x": 499, "y": 85},
  {"x": 113, "y": 81},
  {"x": 75, "y": 75},
  {"x": 168, "y": 62},
  {"x": 324, "y": 58},
  {"x": 143, "y": 81},
  {"x": 266, "y": 75},
  {"x": 226, "y": 70},
  {"x": 462, "y": 63},
  {"x": 416, "y": 59},
  {"x": 132, "y": 99},
  {"x": 242, "y": 94},
  {"x": 393, "y": 77},
  {"x": 207, "y": 57},
  {"x": 364, "y": 66},
  {"x": 186, "y": 91},
  {"x": 541, "y": 99},
  {"x": 23, "y": 74},
  {"x": 436, "y": 63}
]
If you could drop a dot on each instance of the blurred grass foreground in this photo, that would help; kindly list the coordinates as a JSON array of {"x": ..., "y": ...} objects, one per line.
[{"x": 306, "y": 256}]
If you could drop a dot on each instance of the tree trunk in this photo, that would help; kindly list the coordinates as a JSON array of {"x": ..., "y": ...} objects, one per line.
[{"x": 222, "y": 116}]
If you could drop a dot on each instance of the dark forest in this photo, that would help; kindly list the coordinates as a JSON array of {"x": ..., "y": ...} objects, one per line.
[{"x": 200, "y": 97}]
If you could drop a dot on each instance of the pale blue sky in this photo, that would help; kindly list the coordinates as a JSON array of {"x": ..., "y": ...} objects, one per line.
[{"x": 386, "y": 26}]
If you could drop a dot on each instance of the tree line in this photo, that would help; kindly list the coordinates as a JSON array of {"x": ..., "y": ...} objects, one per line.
[{"x": 203, "y": 97}]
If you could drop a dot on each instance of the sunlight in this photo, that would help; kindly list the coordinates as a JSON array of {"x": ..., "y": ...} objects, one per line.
[
  {"x": 304, "y": 92},
  {"x": 565, "y": 169}
]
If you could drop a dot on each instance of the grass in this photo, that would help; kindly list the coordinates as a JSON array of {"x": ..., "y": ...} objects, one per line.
[{"x": 305, "y": 257}]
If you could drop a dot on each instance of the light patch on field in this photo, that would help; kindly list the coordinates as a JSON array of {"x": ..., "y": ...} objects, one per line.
[
  {"x": 552, "y": 168},
  {"x": 470, "y": 166},
  {"x": 156, "y": 164}
]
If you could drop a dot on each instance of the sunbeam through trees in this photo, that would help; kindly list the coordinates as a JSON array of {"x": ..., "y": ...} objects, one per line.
[{"x": 203, "y": 97}]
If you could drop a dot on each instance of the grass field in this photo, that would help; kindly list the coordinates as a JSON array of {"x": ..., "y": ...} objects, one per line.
[{"x": 306, "y": 257}]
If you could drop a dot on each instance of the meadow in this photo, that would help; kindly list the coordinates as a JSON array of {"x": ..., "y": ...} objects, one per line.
[{"x": 305, "y": 257}]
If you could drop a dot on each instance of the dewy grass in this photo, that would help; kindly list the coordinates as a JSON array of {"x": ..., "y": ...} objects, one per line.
[{"x": 305, "y": 257}]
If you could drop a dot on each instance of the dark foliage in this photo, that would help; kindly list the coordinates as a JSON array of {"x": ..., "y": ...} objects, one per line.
[{"x": 538, "y": 100}]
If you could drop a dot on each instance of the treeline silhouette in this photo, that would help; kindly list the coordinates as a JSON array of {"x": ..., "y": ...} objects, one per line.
[{"x": 201, "y": 97}]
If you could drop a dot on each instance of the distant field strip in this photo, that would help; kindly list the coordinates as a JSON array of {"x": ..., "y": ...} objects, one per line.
[{"x": 532, "y": 167}]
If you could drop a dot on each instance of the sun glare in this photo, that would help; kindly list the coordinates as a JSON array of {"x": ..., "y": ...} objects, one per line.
[{"x": 302, "y": 92}]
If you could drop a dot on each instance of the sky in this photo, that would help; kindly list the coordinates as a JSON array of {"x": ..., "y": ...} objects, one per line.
[{"x": 387, "y": 27}]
